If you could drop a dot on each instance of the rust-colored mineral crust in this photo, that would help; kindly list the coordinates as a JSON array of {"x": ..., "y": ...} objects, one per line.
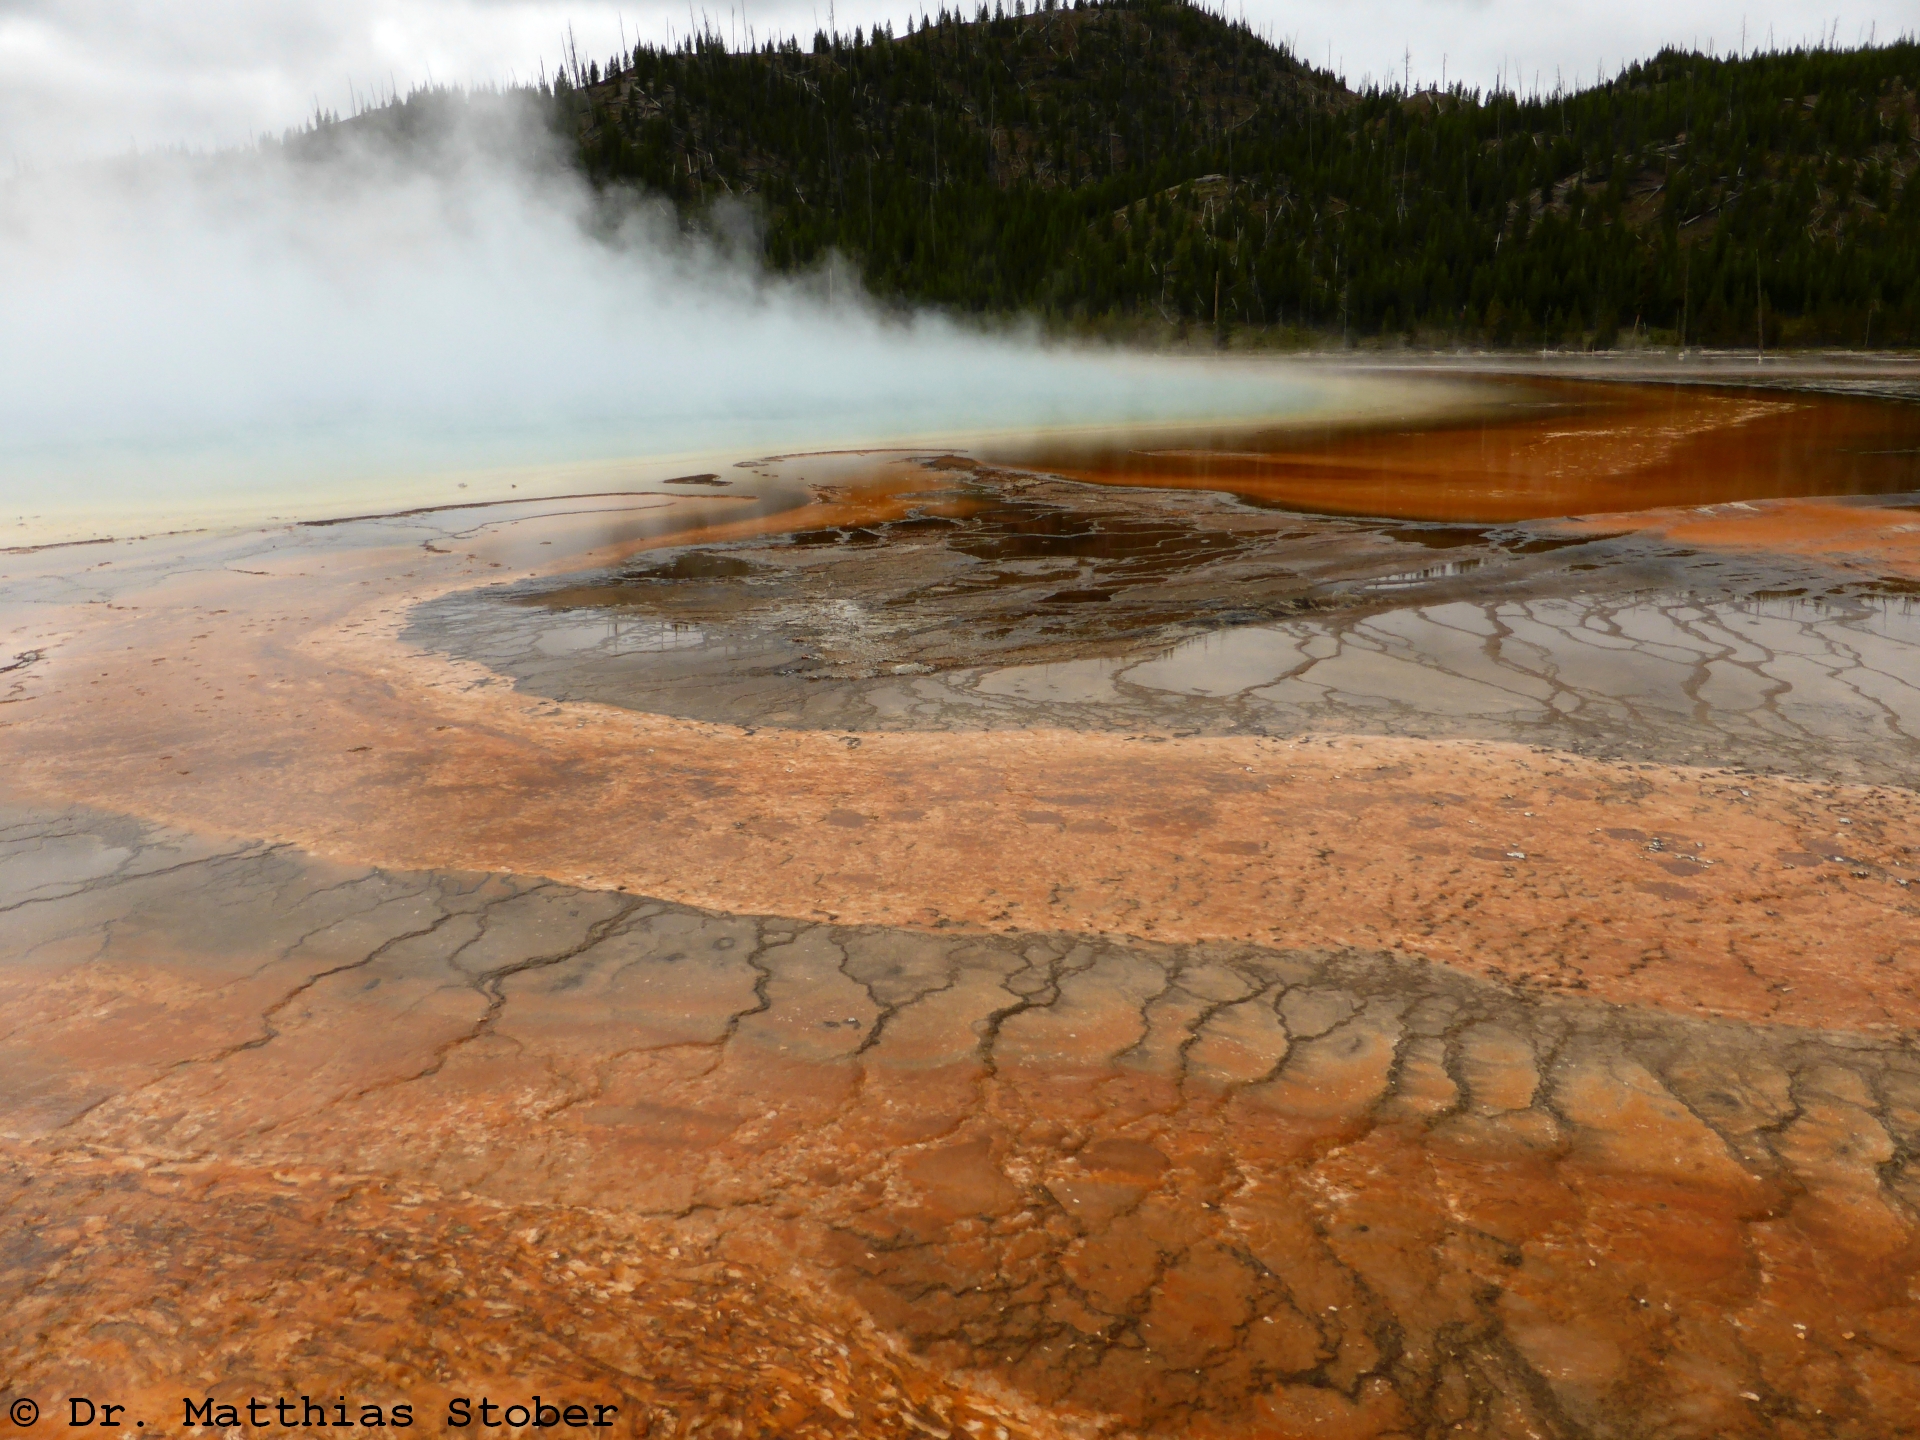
[
  {"x": 1755, "y": 896},
  {"x": 374, "y": 1027},
  {"x": 455, "y": 1134}
]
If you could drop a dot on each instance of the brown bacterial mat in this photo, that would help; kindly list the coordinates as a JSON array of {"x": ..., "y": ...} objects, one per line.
[
  {"x": 1556, "y": 448},
  {"x": 920, "y": 944}
]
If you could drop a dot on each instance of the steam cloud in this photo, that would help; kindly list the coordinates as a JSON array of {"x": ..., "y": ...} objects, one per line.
[{"x": 281, "y": 331}]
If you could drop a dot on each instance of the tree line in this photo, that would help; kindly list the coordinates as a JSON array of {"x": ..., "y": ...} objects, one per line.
[{"x": 1150, "y": 163}]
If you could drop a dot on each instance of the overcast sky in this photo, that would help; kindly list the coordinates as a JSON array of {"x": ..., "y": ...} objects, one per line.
[{"x": 93, "y": 76}]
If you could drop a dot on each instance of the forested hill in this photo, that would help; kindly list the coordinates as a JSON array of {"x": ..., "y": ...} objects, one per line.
[{"x": 1148, "y": 163}]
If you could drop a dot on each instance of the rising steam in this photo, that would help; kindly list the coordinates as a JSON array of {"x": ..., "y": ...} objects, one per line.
[{"x": 312, "y": 324}]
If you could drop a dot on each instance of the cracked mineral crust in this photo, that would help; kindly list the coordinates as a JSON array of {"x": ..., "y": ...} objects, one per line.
[{"x": 929, "y": 945}]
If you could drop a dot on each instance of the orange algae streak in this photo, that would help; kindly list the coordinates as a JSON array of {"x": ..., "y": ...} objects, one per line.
[
  {"x": 1850, "y": 536},
  {"x": 1598, "y": 449}
]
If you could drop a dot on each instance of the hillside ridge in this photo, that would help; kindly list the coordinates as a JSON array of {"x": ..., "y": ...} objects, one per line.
[{"x": 1150, "y": 165}]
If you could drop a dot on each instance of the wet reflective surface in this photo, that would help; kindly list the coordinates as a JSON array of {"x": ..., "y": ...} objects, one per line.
[
  {"x": 1547, "y": 448},
  {"x": 979, "y": 597},
  {"x": 903, "y": 943}
]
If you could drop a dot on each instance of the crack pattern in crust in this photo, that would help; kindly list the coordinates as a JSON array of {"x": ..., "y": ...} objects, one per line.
[
  {"x": 1155, "y": 1189},
  {"x": 1471, "y": 1087},
  {"x": 993, "y": 600}
]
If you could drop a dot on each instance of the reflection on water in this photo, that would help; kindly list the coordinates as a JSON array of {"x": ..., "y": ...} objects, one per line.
[
  {"x": 1558, "y": 449},
  {"x": 1407, "y": 578},
  {"x": 621, "y": 636}
]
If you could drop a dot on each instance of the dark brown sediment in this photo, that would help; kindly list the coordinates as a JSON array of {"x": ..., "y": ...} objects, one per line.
[{"x": 376, "y": 1026}]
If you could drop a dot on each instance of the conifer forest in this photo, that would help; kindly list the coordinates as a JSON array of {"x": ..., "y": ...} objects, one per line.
[{"x": 1149, "y": 164}]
